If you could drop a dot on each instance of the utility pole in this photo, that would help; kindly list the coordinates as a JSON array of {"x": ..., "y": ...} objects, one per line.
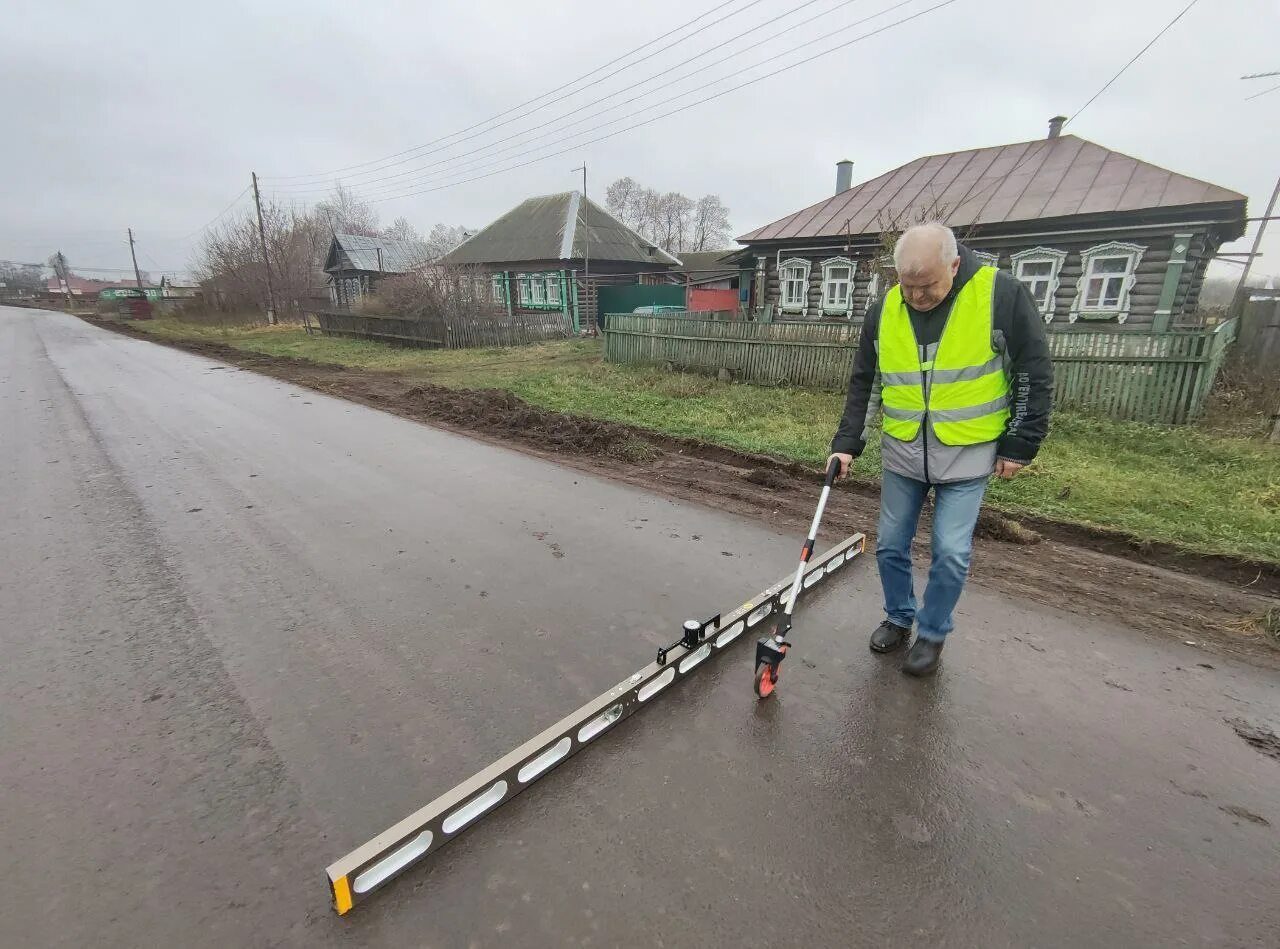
[
  {"x": 134, "y": 254},
  {"x": 1242, "y": 292},
  {"x": 586, "y": 248},
  {"x": 1237, "y": 303},
  {"x": 266, "y": 260},
  {"x": 61, "y": 269}
]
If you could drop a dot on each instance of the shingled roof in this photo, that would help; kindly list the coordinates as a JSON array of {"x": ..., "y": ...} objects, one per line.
[
  {"x": 1029, "y": 181},
  {"x": 357, "y": 252},
  {"x": 563, "y": 226}
]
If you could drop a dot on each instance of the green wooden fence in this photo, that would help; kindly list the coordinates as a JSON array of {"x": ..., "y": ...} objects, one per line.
[
  {"x": 1141, "y": 376},
  {"x": 459, "y": 332}
]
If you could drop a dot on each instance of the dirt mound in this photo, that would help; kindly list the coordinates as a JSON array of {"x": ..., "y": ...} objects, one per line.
[
  {"x": 500, "y": 413},
  {"x": 766, "y": 478},
  {"x": 995, "y": 526}
]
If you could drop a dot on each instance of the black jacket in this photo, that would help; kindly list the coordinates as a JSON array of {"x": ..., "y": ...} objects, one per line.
[{"x": 1018, "y": 331}]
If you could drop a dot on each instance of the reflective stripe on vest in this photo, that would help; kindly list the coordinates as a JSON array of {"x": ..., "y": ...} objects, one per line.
[{"x": 968, "y": 391}]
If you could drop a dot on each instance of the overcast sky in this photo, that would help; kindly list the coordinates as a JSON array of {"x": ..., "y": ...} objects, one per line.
[{"x": 152, "y": 115}]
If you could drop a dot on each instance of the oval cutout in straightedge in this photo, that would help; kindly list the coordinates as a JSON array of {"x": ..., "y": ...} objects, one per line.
[
  {"x": 656, "y": 685},
  {"x": 599, "y": 723},
  {"x": 730, "y": 634},
  {"x": 393, "y": 863},
  {"x": 474, "y": 808},
  {"x": 536, "y": 766},
  {"x": 759, "y": 613},
  {"x": 695, "y": 657}
]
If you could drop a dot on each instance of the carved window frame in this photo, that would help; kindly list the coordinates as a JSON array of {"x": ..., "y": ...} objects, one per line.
[
  {"x": 1041, "y": 255},
  {"x": 800, "y": 306},
  {"x": 1120, "y": 311},
  {"x": 845, "y": 308}
]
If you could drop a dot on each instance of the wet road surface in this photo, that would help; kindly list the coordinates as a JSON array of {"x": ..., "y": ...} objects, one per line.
[{"x": 245, "y": 627}]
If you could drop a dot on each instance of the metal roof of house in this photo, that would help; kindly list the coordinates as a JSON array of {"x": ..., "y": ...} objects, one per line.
[
  {"x": 706, "y": 265},
  {"x": 1029, "y": 181},
  {"x": 357, "y": 252},
  {"x": 563, "y": 226}
]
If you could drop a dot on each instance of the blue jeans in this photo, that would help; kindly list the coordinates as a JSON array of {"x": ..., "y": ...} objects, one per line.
[{"x": 955, "y": 514}]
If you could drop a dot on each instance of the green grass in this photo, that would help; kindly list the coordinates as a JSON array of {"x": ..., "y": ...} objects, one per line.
[{"x": 1208, "y": 492}]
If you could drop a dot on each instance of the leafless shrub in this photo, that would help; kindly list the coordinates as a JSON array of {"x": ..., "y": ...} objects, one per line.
[{"x": 434, "y": 293}]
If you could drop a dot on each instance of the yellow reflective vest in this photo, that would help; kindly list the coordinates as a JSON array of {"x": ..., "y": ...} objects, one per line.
[{"x": 963, "y": 390}]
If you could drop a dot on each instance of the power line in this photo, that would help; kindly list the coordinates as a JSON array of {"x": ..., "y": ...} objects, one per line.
[
  {"x": 413, "y": 173},
  {"x": 391, "y": 190},
  {"x": 1262, "y": 93},
  {"x": 684, "y": 108},
  {"x": 572, "y": 82},
  {"x": 596, "y": 102},
  {"x": 1031, "y": 154},
  {"x": 210, "y": 222},
  {"x": 1138, "y": 56}
]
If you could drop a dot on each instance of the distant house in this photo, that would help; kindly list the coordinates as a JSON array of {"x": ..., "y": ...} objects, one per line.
[
  {"x": 708, "y": 269},
  {"x": 95, "y": 289},
  {"x": 78, "y": 286},
  {"x": 356, "y": 263},
  {"x": 555, "y": 252},
  {"x": 171, "y": 289},
  {"x": 1094, "y": 235}
]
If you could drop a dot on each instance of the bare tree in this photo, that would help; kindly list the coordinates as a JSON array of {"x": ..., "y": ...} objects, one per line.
[
  {"x": 675, "y": 212},
  {"x": 672, "y": 221},
  {"x": 444, "y": 238},
  {"x": 710, "y": 224},
  {"x": 20, "y": 279},
  {"x": 404, "y": 232},
  {"x": 347, "y": 213},
  {"x": 620, "y": 198},
  {"x": 228, "y": 260}
]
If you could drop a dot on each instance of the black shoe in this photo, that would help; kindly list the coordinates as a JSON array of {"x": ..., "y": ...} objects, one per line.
[
  {"x": 924, "y": 658},
  {"x": 889, "y": 637}
]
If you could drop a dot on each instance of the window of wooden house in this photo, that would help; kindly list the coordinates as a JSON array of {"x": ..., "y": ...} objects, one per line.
[
  {"x": 1108, "y": 272},
  {"x": 495, "y": 288},
  {"x": 1038, "y": 269},
  {"x": 537, "y": 290},
  {"x": 795, "y": 285},
  {"x": 1105, "y": 283},
  {"x": 522, "y": 289},
  {"x": 553, "y": 289},
  {"x": 837, "y": 285},
  {"x": 987, "y": 260}
]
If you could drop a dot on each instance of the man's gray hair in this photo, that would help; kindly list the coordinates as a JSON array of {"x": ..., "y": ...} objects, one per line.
[{"x": 922, "y": 246}]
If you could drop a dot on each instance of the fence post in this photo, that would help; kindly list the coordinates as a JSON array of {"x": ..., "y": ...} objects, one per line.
[
  {"x": 564, "y": 295},
  {"x": 573, "y": 284}
]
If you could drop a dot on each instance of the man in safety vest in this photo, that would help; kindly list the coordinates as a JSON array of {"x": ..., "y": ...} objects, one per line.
[{"x": 966, "y": 385}]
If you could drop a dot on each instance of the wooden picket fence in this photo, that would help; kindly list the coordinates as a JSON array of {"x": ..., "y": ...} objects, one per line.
[
  {"x": 1123, "y": 374},
  {"x": 802, "y": 354},
  {"x": 460, "y": 332}
]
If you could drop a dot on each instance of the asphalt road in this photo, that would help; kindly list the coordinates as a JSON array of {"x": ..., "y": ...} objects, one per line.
[{"x": 244, "y": 627}]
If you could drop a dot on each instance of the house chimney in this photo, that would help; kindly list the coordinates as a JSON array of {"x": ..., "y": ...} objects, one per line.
[
  {"x": 1055, "y": 125},
  {"x": 844, "y": 175}
]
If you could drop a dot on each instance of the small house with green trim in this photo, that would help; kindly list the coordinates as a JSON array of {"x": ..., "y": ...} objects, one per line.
[{"x": 555, "y": 252}]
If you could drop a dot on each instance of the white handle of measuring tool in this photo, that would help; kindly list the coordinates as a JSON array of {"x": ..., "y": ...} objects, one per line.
[{"x": 833, "y": 469}]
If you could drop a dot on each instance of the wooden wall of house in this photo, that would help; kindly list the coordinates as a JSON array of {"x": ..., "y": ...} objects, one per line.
[
  {"x": 603, "y": 273},
  {"x": 1144, "y": 297}
]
